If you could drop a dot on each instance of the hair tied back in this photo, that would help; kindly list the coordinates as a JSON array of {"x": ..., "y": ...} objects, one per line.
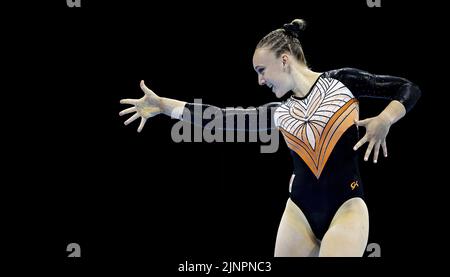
[{"x": 295, "y": 27}]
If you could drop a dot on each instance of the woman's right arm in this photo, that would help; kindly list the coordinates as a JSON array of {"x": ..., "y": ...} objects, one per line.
[{"x": 251, "y": 119}]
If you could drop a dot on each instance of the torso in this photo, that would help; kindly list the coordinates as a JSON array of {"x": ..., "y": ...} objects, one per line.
[{"x": 320, "y": 132}]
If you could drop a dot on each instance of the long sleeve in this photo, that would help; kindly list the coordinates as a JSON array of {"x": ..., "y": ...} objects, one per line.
[
  {"x": 364, "y": 84},
  {"x": 231, "y": 119}
]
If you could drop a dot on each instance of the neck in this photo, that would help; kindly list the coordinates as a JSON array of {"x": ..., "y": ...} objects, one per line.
[{"x": 304, "y": 78}]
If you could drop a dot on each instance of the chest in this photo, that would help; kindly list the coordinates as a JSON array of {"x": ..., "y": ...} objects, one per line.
[
  {"x": 312, "y": 126},
  {"x": 328, "y": 101}
]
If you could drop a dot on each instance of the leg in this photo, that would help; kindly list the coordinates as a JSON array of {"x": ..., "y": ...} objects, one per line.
[
  {"x": 295, "y": 237},
  {"x": 348, "y": 232}
]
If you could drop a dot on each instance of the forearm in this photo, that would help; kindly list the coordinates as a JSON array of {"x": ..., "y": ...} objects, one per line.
[
  {"x": 230, "y": 119},
  {"x": 393, "y": 112},
  {"x": 172, "y": 107}
]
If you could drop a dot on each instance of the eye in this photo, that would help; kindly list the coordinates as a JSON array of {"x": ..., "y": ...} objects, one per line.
[{"x": 261, "y": 70}]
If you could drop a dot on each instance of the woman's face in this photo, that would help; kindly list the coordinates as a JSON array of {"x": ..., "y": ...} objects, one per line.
[{"x": 272, "y": 72}]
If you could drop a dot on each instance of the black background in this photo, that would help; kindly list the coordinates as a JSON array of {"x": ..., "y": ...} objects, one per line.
[{"x": 140, "y": 199}]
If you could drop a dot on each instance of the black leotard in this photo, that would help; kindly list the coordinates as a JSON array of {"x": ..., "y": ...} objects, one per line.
[{"x": 319, "y": 129}]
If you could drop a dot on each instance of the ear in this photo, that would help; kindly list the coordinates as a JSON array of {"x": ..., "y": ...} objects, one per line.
[{"x": 284, "y": 59}]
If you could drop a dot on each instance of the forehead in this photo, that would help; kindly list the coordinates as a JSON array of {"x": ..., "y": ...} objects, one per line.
[{"x": 263, "y": 56}]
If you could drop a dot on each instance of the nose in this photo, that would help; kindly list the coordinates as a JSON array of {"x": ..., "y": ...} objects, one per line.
[{"x": 261, "y": 80}]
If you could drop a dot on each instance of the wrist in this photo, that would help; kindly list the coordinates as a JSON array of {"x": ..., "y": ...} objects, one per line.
[
  {"x": 386, "y": 117},
  {"x": 393, "y": 112},
  {"x": 162, "y": 102},
  {"x": 171, "y": 107}
]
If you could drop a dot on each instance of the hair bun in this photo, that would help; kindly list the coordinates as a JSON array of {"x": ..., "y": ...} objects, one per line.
[{"x": 295, "y": 27}]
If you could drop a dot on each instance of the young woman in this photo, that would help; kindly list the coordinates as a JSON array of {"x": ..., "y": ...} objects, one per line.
[{"x": 325, "y": 214}]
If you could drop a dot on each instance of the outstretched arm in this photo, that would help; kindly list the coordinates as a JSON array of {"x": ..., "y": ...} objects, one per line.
[{"x": 252, "y": 119}]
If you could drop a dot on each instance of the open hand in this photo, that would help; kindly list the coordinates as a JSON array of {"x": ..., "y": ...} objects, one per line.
[
  {"x": 377, "y": 129},
  {"x": 145, "y": 107}
]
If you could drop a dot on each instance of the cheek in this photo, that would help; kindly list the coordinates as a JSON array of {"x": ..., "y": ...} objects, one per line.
[
  {"x": 277, "y": 79},
  {"x": 283, "y": 80}
]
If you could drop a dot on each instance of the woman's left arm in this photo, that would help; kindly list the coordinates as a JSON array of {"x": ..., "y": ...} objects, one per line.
[{"x": 402, "y": 93}]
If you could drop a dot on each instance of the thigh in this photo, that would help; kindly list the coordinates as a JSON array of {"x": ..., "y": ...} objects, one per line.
[
  {"x": 295, "y": 237},
  {"x": 348, "y": 232}
]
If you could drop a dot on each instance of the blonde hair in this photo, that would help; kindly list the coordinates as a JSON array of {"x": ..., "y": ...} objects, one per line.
[{"x": 285, "y": 40}]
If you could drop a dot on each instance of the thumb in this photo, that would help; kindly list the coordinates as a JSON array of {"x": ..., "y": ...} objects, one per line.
[
  {"x": 362, "y": 122},
  {"x": 146, "y": 90}
]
